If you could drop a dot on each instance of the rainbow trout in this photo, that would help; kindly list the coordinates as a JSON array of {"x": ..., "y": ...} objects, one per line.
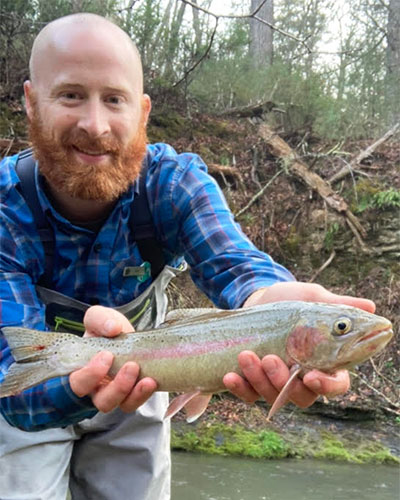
[{"x": 192, "y": 354}]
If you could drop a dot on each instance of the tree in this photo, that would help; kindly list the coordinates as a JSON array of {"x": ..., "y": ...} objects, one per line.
[
  {"x": 261, "y": 35},
  {"x": 393, "y": 62}
]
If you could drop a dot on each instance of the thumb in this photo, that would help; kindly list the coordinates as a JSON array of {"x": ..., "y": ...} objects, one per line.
[{"x": 102, "y": 321}]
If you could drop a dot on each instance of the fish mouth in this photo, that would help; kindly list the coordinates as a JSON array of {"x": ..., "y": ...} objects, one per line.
[
  {"x": 387, "y": 331},
  {"x": 365, "y": 347}
]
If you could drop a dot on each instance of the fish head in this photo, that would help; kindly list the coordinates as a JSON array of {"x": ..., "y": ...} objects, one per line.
[{"x": 330, "y": 337}]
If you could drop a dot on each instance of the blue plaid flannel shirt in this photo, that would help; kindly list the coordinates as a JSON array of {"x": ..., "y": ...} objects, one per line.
[{"x": 191, "y": 218}]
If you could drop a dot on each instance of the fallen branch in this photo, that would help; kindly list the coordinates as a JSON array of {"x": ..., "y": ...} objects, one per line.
[
  {"x": 225, "y": 172},
  {"x": 346, "y": 170},
  {"x": 323, "y": 267},
  {"x": 380, "y": 393},
  {"x": 292, "y": 162},
  {"x": 260, "y": 193}
]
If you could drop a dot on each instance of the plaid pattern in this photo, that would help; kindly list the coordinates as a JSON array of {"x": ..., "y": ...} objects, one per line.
[{"x": 192, "y": 220}]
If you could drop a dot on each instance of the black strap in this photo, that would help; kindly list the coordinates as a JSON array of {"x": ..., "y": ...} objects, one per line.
[
  {"x": 25, "y": 169},
  {"x": 141, "y": 223},
  {"x": 141, "y": 220}
]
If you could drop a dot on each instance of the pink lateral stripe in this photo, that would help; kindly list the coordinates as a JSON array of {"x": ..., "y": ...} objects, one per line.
[{"x": 189, "y": 350}]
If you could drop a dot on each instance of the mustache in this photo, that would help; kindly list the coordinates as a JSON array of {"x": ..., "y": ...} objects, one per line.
[{"x": 80, "y": 140}]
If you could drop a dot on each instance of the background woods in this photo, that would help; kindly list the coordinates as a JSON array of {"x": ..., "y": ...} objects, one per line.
[
  {"x": 330, "y": 67},
  {"x": 293, "y": 104}
]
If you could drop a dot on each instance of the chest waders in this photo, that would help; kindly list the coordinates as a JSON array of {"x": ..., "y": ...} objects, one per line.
[{"x": 114, "y": 455}]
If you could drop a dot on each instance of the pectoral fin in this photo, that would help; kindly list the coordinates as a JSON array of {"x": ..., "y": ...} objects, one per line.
[
  {"x": 196, "y": 407},
  {"x": 283, "y": 396},
  {"x": 195, "y": 404}
]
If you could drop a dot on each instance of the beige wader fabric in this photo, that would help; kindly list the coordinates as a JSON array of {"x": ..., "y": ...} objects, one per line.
[{"x": 114, "y": 456}]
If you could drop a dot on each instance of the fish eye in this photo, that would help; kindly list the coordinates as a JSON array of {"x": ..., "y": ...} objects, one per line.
[{"x": 342, "y": 326}]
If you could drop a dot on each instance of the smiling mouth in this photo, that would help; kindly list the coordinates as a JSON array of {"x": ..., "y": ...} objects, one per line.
[{"x": 90, "y": 153}]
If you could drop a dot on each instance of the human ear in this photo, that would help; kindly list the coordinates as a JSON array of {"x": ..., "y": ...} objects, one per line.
[{"x": 28, "y": 102}]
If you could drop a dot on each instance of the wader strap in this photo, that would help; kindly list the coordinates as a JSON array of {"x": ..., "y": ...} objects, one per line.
[
  {"x": 25, "y": 169},
  {"x": 141, "y": 223}
]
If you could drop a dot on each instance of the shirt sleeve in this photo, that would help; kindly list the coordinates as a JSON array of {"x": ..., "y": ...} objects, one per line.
[
  {"x": 197, "y": 221},
  {"x": 52, "y": 403}
]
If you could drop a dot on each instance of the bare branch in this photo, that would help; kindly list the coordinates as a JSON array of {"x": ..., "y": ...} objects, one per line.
[
  {"x": 192, "y": 68},
  {"x": 392, "y": 403},
  {"x": 248, "y": 16},
  {"x": 324, "y": 266},
  {"x": 260, "y": 193},
  {"x": 364, "y": 154},
  {"x": 226, "y": 16}
]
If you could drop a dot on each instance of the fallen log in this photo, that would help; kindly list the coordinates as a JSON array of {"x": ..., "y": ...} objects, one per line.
[
  {"x": 279, "y": 148},
  {"x": 252, "y": 110}
]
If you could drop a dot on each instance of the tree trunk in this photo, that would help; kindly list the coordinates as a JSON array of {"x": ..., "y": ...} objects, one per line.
[
  {"x": 393, "y": 62},
  {"x": 261, "y": 35},
  {"x": 196, "y": 27}
]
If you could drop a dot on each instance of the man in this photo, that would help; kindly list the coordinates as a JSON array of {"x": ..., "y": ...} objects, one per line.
[{"x": 87, "y": 117}]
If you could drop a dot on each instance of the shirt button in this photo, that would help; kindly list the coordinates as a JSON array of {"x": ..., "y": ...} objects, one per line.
[{"x": 97, "y": 247}]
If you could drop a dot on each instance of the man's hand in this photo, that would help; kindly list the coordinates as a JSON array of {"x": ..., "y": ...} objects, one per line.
[
  {"x": 124, "y": 391},
  {"x": 267, "y": 376}
]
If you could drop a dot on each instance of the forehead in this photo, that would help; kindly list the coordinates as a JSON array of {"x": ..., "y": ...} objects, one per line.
[{"x": 85, "y": 56}]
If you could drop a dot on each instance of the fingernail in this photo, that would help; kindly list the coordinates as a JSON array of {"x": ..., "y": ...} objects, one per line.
[
  {"x": 109, "y": 326},
  {"x": 105, "y": 358},
  {"x": 246, "y": 361},
  {"x": 143, "y": 390},
  {"x": 130, "y": 372},
  {"x": 270, "y": 366},
  {"x": 314, "y": 385}
]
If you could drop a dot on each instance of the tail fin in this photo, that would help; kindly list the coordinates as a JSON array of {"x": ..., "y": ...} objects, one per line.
[{"x": 31, "y": 350}]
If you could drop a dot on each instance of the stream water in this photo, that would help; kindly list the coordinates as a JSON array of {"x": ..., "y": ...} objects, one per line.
[{"x": 208, "y": 477}]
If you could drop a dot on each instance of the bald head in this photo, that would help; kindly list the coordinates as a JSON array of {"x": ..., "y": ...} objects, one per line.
[{"x": 82, "y": 30}]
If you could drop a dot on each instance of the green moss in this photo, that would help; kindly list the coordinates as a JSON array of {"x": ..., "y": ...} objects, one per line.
[
  {"x": 293, "y": 243},
  {"x": 219, "y": 439},
  {"x": 333, "y": 448},
  {"x": 167, "y": 126}
]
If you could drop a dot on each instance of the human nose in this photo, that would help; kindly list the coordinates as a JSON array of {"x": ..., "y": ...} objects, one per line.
[{"x": 94, "y": 120}]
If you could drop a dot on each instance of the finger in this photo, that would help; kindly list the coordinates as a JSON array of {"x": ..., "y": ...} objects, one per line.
[
  {"x": 256, "y": 382},
  {"x": 257, "y": 377},
  {"x": 309, "y": 292},
  {"x": 111, "y": 395},
  {"x": 139, "y": 395},
  {"x": 365, "y": 304},
  {"x": 105, "y": 322},
  {"x": 328, "y": 385},
  {"x": 278, "y": 373},
  {"x": 238, "y": 386},
  {"x": 87, "y": 379}
]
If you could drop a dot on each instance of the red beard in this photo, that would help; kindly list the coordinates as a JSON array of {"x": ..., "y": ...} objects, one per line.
[{"x": 105, "y": 181}]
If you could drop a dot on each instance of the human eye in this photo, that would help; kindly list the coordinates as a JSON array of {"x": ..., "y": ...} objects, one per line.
[
  {"x": 114, "y": 100},
  {"x": 70, "y": 96}
]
